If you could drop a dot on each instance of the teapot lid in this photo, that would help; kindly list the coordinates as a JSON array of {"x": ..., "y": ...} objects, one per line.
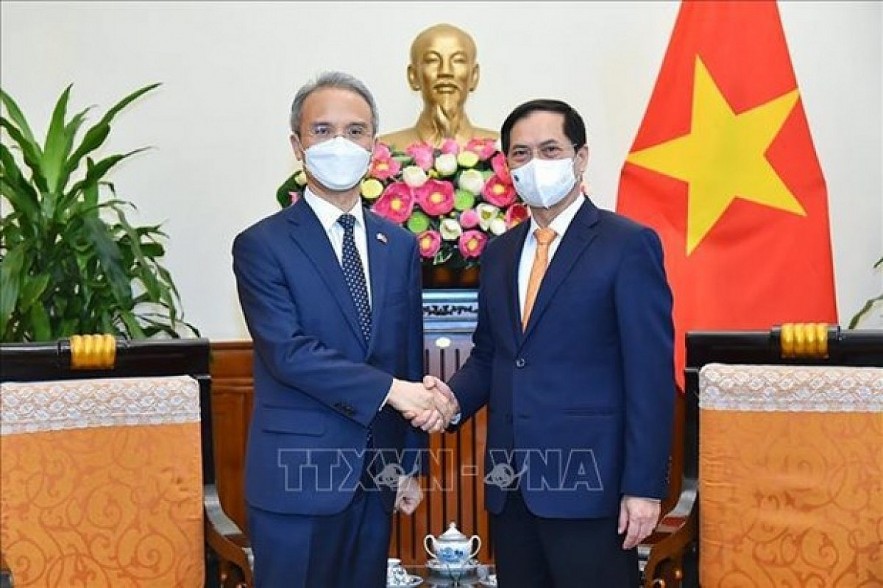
[{"x": 453, "y": 534}]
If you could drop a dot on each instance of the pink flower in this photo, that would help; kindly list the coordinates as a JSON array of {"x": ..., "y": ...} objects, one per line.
[
  {"x": 498, "y": 192},
  {"x": 471, "y": 244},
  {"x": 423, "y": 154},
  {"x": 484, "y": 148},
  {"x": 429, "y": 243},
  {"x": 450, "y": 146},
  {"x": 435, "y": 198},
  {"x": 383, "y": 166},
  {"x": 294, "y": 196},
  {"x": 396, "y": 203},
  {"x": 469, "y": 218},
  {"x": 515, "y": 214},
  {"x": 498, "y": 163}
]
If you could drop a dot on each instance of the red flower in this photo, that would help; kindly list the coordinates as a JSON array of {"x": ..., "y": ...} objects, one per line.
[
  {"x": 450, "y": 146},
  {"x": 484, "y": 148},
  {"x": 498, "y": 192},
  {"x": 471, "y": 244},
  {"x": 423, "y": 154},
  {"x": 383, "y": 166},
  {"x": 435, "y": 198},
  {"x": 515, "y": 214},
  {"x": 429, "y": 243},
  {"x": 396, "y": 203},
  {"x": 498, "y": 163}
]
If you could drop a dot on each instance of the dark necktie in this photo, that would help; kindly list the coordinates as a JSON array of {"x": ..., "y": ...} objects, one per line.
[{"x": 354, "y": 274}]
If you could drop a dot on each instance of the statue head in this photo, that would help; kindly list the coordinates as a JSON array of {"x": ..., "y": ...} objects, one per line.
[{"x": 443, "y": 68}]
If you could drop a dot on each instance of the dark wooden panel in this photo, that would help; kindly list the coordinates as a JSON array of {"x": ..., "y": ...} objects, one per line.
[{"x": 232, "y": 391}]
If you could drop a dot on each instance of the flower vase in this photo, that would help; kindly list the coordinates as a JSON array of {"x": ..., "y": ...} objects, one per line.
[{"x": 444, "y": 277}]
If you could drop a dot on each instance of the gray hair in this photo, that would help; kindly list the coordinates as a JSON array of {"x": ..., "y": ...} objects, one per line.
[{"x": 332, "y": 79}]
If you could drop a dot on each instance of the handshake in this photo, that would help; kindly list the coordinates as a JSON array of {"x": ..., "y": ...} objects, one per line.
[{"x": 429, "y": 405}]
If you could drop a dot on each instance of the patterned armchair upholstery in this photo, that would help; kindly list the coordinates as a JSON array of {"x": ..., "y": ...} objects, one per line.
[
  {"x": 106, "y": 466},
  {"x": 789, "y": 425}
]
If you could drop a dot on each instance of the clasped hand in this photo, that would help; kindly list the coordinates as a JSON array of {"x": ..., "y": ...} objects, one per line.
[{"x": 429, "y": 405}]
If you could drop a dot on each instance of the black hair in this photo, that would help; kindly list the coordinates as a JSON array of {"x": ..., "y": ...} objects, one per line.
[{"x": 574, "y": 127}]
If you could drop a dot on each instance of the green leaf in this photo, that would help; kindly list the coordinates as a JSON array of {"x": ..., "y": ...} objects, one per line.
[
  {"x": 132, "y": 326},
  {"x": 10, "y": 282},
  {"x": 110, "y": 259},
  {"x": 30, "y": 151},
  {"x": 17, "y": 117},
  {"x": 70, "y": 132},
  {"x": 864, "y": 310},
  {"x": 96, "y": 171},
  {"x": 283, "y": 193},
  {"x": 15, "y": 188},
  {"x": 96, "y": 135},
  {"x": 32, "y": 289},
  {"x": 40, "y": 323},
  {"x": 56, "y": 139},
  {"x": 443, "y": 255}
]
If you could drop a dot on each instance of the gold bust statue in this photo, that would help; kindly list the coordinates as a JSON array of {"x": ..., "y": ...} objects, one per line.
[{"x": 443, "y": 69}]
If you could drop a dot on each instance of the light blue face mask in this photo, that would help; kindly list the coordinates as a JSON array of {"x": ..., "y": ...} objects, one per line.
[
  {"x": 542, "y": 183},
  {"x": 337, "y": 164}
]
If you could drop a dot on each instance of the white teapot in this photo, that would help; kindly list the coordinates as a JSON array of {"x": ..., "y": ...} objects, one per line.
[{"x": 452, "y": 547}]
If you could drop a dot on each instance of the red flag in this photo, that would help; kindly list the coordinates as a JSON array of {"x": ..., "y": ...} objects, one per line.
[{"x": 724, "y": 168}]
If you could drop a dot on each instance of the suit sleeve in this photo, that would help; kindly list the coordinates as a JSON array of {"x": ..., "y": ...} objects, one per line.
[
  {"x": 416, "y": 439},
  {"x": 644, "y": 314},
  {"x": 294, "y": 358},
  {"x": 472, "y": 382}
]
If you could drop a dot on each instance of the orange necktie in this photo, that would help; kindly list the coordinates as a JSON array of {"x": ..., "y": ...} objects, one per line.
[{"x": 544, "y": 236}]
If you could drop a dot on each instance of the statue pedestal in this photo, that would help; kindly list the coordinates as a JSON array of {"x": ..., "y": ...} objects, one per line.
[{"x": 444, "y": 277}]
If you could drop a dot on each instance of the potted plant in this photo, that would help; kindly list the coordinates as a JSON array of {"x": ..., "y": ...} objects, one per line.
[{"x": 70, "y": 261}]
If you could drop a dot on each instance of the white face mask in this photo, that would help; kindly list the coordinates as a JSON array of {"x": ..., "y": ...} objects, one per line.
[
  {"x": 337, "y": 164},
  {"x": 544, "y": 182}
]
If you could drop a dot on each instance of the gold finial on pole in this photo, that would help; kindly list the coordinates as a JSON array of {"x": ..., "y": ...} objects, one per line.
[{"x": 89, "y": 352}]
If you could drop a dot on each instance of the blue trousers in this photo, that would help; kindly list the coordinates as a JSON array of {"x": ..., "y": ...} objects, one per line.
[{"x": 345, "y": 550}]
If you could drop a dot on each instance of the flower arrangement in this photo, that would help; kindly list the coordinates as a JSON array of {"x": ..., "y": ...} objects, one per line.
[{"x": 454, "y": 199}]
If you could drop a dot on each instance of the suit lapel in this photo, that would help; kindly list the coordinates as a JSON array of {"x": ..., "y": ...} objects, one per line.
[
  {"x": 579, "y": 234},
  {"x": 308, "y": 234},
  {"x": 378, "y": 257}
]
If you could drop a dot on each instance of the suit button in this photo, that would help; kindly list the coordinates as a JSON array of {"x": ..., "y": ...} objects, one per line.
[{"x": 519, "y": 363}]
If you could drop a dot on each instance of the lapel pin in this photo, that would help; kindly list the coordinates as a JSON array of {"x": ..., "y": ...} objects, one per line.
[{"x": 381, "y": 237}]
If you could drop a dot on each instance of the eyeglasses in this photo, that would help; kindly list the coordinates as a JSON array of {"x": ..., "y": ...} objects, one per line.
[
  {"x": 522, "y": 154},
  {"x": 355, "y": 132}
]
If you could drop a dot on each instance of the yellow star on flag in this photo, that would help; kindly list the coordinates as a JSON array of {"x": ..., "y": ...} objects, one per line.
[{"x": 723, "y": 156}]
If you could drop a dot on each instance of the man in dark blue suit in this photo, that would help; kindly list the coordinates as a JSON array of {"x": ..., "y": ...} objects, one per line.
[
  {"x": 331, "y": 295},
  {"x": 573, "y": 356}
]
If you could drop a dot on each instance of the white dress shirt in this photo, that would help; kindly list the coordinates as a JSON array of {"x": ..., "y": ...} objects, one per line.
[
  {"x": 559, "y": 224},
  {"x": 328, "y": 215}
]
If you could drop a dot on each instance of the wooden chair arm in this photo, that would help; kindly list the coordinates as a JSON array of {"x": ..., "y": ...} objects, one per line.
[
  {"x": 667, "y": 547},
  {"x": 228, "y": 542}
]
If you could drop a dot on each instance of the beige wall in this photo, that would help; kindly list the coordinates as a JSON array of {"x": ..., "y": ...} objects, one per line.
[{"x": 230, "y": 69}]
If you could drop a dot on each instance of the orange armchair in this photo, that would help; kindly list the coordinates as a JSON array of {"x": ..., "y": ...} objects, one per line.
[
  {"x": 107, "y": 466},
  {"x": 785, "y": 428}
]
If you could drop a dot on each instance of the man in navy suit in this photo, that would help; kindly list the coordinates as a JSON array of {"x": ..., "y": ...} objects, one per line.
[
  {"x": 331, "y": 296},
  {"x": 573, "y": 356}
]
